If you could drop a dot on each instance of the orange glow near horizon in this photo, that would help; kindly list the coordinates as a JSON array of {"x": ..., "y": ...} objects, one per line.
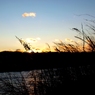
[{"x": 48, "y": 47}]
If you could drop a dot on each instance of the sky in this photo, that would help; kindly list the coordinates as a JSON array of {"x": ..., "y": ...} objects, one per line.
[{"x": 41, "y": 21}]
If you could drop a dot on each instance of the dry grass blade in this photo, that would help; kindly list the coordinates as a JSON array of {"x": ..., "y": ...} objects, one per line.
[{"x": 76, "y": 30}]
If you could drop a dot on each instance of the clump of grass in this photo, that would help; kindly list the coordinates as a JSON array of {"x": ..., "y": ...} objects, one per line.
[
  {"x": 64, "y": 47},
  {"x": 87, "y": 39}
]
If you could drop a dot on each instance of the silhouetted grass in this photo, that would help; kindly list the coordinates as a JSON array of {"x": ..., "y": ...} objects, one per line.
[
  {"x": 64, "y": 47},
  {"x": 86, "y": 37}
]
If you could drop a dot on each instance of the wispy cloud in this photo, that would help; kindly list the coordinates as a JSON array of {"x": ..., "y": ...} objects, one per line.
[
  {"x": 32, "y": 40},
  {"x": 57, "y": 40},
  {"x": 31, "y": 14},
  {"x": 38, "y": 38},
  {"x": 68, "y": 40}
]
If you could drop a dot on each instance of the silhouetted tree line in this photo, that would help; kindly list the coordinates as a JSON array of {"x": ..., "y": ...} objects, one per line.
[{"x": 18, "y": 61}]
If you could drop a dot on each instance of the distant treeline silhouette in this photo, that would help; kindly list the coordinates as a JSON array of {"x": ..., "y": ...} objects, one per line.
[{"x": 18, "y": 61}]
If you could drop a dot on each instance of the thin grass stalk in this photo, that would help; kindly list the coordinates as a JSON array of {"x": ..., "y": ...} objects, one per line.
[{"x": 83, "y": 38}]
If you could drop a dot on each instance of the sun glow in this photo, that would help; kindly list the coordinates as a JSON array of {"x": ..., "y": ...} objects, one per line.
[{"x": 33, "y": 51}]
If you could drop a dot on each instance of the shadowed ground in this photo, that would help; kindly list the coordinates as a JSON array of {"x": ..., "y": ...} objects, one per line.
[
  {"x": 17, "y": 61},
  {"x": 62, "y": 72}
]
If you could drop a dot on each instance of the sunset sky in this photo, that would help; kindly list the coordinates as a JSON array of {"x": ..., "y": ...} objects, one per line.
[{"x": 41, "y": 21}]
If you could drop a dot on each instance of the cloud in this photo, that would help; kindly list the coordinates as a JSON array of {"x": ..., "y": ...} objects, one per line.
[
  {"x": 31, "y": 14},
  {"x": 32, "y": 40},
  {"x": 56, "y": 40},
  {"x": 38, "y": 38},
  {"x": 68, "y": 40}
]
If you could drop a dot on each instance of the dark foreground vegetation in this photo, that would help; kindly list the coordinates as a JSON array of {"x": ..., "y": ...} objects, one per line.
[
  {"x": 18, "y": 61},
  {"x": 46, "y": 73}
]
